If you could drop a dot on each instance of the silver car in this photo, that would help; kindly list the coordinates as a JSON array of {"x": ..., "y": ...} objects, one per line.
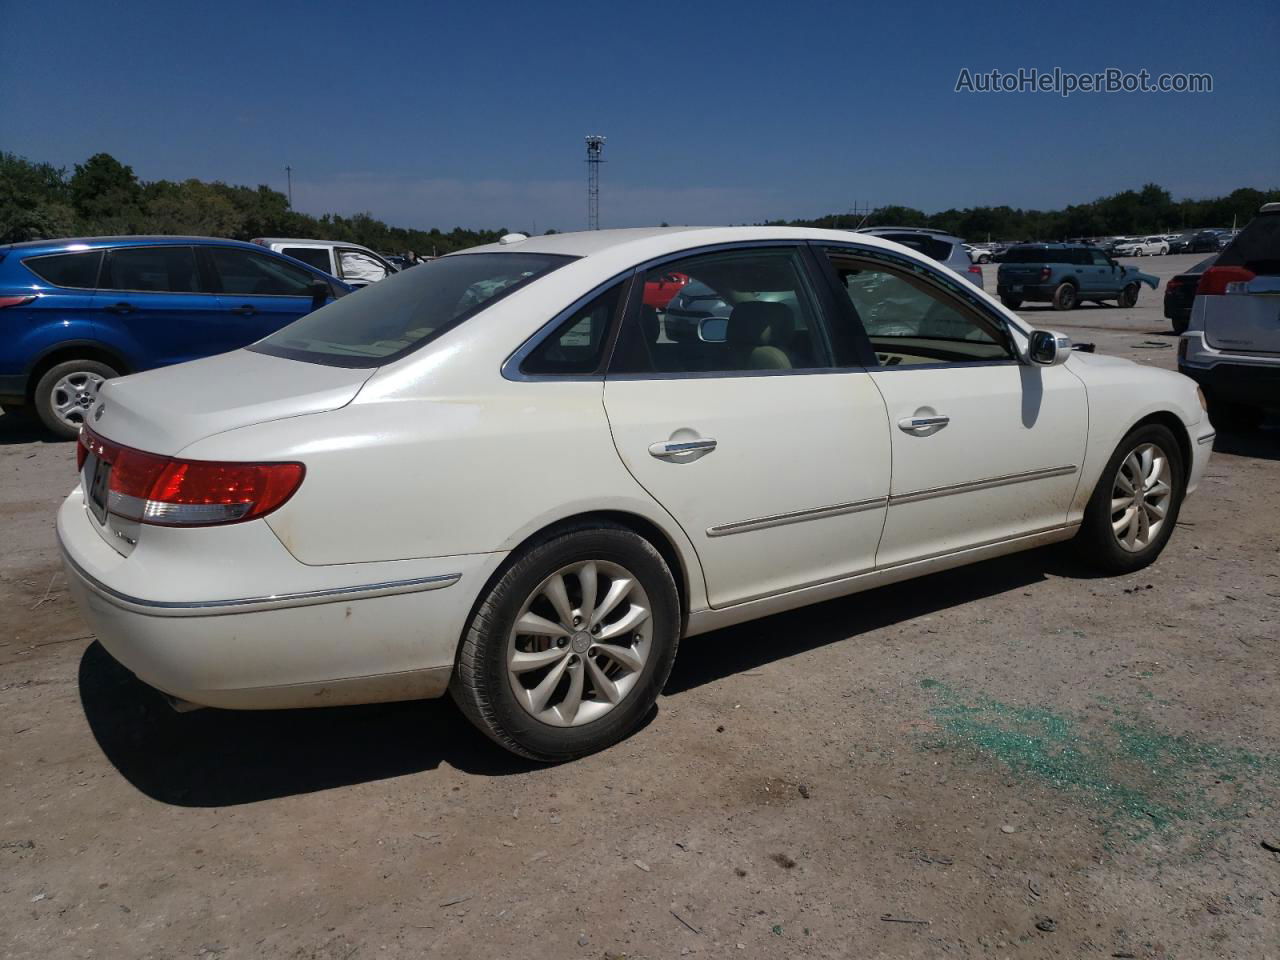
[{"x": 947, "y": 249}]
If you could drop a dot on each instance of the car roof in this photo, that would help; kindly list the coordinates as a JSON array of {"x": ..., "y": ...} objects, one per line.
[
  {"x": 262, "y": 241},
  {"x": 926, "y": 230},
  {"x": 97, "y": 243},
  {"x": 649, "y": 242}
]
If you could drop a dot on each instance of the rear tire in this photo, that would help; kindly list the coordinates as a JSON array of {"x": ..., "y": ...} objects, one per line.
[
  {"x": 1013, "y": 303},
  {"x": 67, "y": 392},
  {"x": 1064, "y": 298},
  {"x": 501, "y": 671},
  {"x": 1180, "y": 324},
  {"x": 1128, "y": 296},
  {"x": 1124, "y": 531}
]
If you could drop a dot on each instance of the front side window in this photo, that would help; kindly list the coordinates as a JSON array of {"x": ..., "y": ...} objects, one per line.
[
  {"x": 741, "y": 311},
  {"x": 1100, "y": 259},
  {"x": 317, "y": 257},
  {"x": 361, "y": 267},
  {"x": 246, "y": 273},
  {"x": 909, "y": 321},
  {"x": 406, "y": 311},
  {"x": 76, "y": 270},
  {"x": 152, "y": 270}
]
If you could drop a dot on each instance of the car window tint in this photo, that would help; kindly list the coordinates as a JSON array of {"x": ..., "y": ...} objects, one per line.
[
  {"x": 577, "y": 345},
  {"x": 389, "y": 319},
  {"x": 152, "y": 270},
  {"x": 317, "y": 257},
  {"x": 1100, "y": 258},
  {"x": 248, "y": 273},
  {"x": 930, "y": 246},
  {"x": 79, "y": 270},
  {"x": 740, "y": 311},
  {"x": 910, "y": 322}
]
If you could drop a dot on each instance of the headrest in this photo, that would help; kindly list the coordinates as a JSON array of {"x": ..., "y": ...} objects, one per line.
[{"x": 759, "y": 322}]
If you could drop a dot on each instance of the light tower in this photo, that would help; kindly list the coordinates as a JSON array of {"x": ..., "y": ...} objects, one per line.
[{"x": 595, "y": 147}]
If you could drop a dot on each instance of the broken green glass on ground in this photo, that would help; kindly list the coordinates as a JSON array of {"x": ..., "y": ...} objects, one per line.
[{"x": 1141, "y": 778}]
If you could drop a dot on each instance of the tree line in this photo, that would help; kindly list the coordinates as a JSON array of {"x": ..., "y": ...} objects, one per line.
[{"x": 103, "y": 196}]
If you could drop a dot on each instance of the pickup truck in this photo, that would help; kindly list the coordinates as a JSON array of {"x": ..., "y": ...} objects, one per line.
[{"x": 1066, "y": 274}]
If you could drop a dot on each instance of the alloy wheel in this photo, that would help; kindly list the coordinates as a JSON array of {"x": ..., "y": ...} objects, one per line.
[
  {"x": 74, "y": 395},
  {"x": 580, "y": 643},
  {"x": 1140, "y": 497}
]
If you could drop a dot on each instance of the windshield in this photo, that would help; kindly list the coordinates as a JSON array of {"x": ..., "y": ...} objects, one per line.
[{"x": 387, "y": 320}]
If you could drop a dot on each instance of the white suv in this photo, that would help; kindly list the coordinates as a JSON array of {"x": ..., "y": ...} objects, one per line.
[
  {"x": 1232, "y": 345},
  {"x": 351, "y": 263}
]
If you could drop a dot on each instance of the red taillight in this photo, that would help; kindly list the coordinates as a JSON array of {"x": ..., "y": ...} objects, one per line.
[
  {"x": 1213, "y": 282},
  {"x": 16, "y": 301},
  {"x": 179, "y": 493},
  {"x": 1045, "y": 274},
  {"x": 975, "y": 269}
]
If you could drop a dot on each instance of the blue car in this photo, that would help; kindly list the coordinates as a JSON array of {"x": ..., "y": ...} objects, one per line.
[{"x": 74, "y": 313}]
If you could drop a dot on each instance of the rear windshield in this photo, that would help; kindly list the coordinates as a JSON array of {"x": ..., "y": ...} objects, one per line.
[
  {"x": 387, "y": 320},
  {"x": 1256, "y": 247},
  {"x": 929, "y": 245}
]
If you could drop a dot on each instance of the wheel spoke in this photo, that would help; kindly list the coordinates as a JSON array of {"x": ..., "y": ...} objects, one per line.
[
  {"x": 567, "y": 708},
  {"x": 623, "y": 656},
  {"x": 624, "y": 624},
  {"x": 1120, "y": 503},
  {"x": 1131, "y": 535},
  {"x": 537, "y": 697},
  {"x": 1154, "y": 510},
  {"x": 523, "y": 661},
  {"x": 555, "y": 592},
  {"x": 587, "y": 580},
  {"x": 605, "y": 688},
  {"x": 1121, "y": 525},
  {"x": 618, "y": 590},
  {"x": 1153, "y": 473},
  {"x": 1146, "y": 460},
  {"x": 1159, "y": 490},
  {"x": 539, "y": 626},
  {"x": 1144, "y": 526},
  {"x": 1123, "y": 482}
]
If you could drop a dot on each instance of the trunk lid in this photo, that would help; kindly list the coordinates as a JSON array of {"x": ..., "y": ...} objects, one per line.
[{"x": 162, "y": 411}]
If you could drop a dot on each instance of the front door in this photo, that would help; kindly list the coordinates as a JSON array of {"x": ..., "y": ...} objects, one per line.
[
  {"x": 259, "y": 293},
  {"x": 774, "y": 461},
  {"x": 985, "y": 448}
]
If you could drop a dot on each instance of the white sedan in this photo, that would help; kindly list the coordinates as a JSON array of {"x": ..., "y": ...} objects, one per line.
[
  {"x": 1142, "y": 247},
  {"x": 502, "y": 475}
]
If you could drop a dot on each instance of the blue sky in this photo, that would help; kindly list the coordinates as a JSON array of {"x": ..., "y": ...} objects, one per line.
[{"x": 439, "y": 114}]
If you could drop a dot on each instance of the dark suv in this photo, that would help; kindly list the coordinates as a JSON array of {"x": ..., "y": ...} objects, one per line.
[{"x": 1064, "y": 275}]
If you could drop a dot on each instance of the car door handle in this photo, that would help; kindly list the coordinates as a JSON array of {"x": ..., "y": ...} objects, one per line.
[
  {"x": 120, "y": 307},
  {"x": 672, "y": 449},
  {"x": 244, "y": 311},
  {"x": 918, "y": 424}
]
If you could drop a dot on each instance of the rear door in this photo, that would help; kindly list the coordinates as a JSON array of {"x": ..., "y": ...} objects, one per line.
[
  {"x": 153, "y": 302},
  {"x": 258, "y": 293},
  {"x": 1245, "y": 317},
  {"x": 772, "y": 458}
]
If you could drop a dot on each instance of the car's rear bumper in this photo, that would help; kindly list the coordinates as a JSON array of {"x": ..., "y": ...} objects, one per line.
[
  {"x": 1247, "y": 379},
  {"x": 285, "y": 635}
]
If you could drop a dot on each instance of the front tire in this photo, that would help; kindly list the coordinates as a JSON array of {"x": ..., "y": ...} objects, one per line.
[
  {"x": 67, "y": 392},
  {"x": 1135, "y": 505},
  {"x": 568, "y": 651},
  {"x": 1064, "y": 298},
  {"x": 1013, "y": 303},
  {"x": 1128, "y": 296}
]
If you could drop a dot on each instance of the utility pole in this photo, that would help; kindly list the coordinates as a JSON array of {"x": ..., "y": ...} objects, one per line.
[
  {"x": 595, "y": 147},
  {"x": 288, "y": 172}
]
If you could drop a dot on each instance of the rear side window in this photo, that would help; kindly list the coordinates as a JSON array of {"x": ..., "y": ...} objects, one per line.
[
  {"x": 152, "y": 270},
  {"x": 577, "y": 346},
  {"x": 1031, "y": 255},
  {"x": 1256, "y": 247},
  {"x": 317, "y": 257},
  {"x": 388, "y": 320},
  {"x": 77, "y": 270},
  {"x": 247, "y": 273},
  {"x": 1099, "y": 258}
]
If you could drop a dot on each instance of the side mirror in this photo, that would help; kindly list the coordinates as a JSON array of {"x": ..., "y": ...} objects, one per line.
[
  {"x": 1048, "y": 348},
  {"x": 320, "y": 292},
  {"x": 713, "y": 329}
]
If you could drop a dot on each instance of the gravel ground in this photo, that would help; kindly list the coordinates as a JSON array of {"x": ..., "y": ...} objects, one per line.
[{"x": 1015, "y": 759}]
